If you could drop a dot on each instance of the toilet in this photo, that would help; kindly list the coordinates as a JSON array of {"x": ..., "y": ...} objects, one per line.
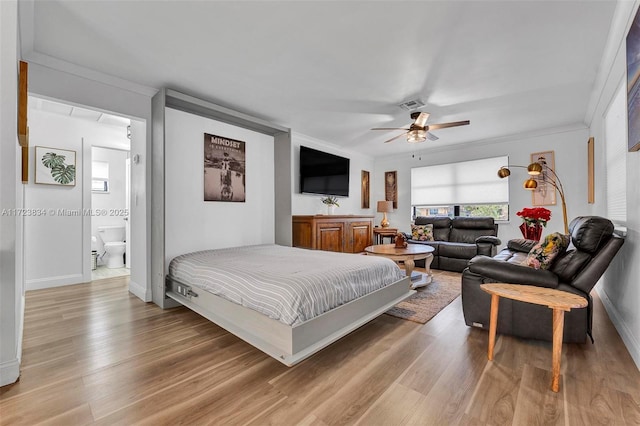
[{"x": 114, "y": 245}]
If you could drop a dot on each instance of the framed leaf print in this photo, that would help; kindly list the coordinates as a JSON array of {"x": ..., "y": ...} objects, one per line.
[{"x": 55, "y": 166}]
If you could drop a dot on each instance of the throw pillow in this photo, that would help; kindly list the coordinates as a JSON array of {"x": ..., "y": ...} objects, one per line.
[
  {"x": 543, "y": 254},
  {"x": 422, "y": 232}
]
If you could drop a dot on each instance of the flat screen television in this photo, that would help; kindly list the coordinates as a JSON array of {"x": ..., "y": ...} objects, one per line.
[{"x": 323, "y": 173}]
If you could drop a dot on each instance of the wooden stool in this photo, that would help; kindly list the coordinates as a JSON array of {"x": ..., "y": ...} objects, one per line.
[{"x": 559, "y": 301}]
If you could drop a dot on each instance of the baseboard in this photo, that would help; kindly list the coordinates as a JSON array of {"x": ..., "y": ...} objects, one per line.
[
  {"x": 143, "y": 293},
  {"x": 50, "y": 282},
  {"x": 9, "y": 372},
  {"x": 630, "y": 341}
]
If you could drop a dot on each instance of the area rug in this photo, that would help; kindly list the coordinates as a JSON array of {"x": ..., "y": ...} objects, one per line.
[{"x": 429, "y": 300}]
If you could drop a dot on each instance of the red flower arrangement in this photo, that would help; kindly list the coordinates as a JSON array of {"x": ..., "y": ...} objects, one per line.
[
  {"x": 534, "y": 219},
  {"x": 535, "y": 215}
]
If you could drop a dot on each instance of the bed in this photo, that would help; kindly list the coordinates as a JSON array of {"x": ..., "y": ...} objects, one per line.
[{"x": 288, "y": 302}]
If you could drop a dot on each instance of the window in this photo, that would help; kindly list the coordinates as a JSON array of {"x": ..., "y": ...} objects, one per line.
[
  {"x": 99, "y": 176},
  {"x": 615, "y": 128},
  {"x": 468, "y": 188}
]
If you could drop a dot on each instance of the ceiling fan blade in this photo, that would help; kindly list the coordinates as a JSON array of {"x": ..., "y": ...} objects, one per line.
[
  {"x": 394, "y": 138},
  {"x": 445, "y": 125},
  {"x": 421, "y": 120},
  {"x": 432, "y": 137},
  {"x": 388, "y": 128}
]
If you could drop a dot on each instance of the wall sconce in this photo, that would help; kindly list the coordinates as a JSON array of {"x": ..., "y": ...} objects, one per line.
[
  {"x": 535, "y": 169},
  {"x": 385, "y": 207}
]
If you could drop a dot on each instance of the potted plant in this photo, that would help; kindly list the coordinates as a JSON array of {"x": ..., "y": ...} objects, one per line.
[
  {"x": 533, "y": 220},
  {"x": 331, "y": 202}
]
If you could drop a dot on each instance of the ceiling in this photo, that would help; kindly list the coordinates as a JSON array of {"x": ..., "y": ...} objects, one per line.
[
  {"x": 78, "y": 112},
  {"x": 117, "y": 123},
  {"x": 333, "y": 70}
]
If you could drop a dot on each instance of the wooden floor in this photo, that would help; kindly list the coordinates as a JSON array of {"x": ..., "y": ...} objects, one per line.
[{"x": 93, "y": 353}]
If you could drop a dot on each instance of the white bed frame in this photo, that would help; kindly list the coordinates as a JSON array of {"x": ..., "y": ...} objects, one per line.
[{"x": 289, "y": 344}]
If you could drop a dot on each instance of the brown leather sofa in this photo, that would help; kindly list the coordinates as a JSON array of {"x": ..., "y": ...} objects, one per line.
[
  {"x": 457, "y": 240},
  {"x": 593, "y": 246}
]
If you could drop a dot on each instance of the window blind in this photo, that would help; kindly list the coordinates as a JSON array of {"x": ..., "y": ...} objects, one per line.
[
  {"x": 467, "y": 182},
  {"x": 615, "y": 128}
]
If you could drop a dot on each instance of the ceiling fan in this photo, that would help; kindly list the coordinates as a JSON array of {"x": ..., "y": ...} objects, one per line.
[{"x": 418, "y": 131}]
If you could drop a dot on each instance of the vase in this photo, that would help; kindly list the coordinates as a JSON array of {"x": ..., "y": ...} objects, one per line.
[
  {"x": 330, "y": 208},
  {"x": 531, "y": 232}
]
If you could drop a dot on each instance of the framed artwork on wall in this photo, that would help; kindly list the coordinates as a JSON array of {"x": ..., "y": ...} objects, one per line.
[
  {"x": 365, "y": 189},
  {"x": 55, "y": 166},
  {"x": 224, "y": 169},
  {"x": 633, "y": 84},
  {"x": 545, "y": 193},
  {"x": 391, "y": 187}
]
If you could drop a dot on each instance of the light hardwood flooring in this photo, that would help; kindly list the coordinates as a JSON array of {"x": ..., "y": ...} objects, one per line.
[{"x": 93, "y": 353}]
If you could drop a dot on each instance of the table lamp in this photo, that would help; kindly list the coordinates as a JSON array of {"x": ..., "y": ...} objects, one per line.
[{"x": 385, "y": 207}]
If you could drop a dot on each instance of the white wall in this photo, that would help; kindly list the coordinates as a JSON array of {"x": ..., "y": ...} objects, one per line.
[
  {"x": 569, "y": 145},
  {"x": 193, "y": 224},
  {"x": 54, "y": 242},
  {"x": 308, "y": 204},
  {"x": 11, "y": 267},
  {"x": 619, "y": 288},
  {"x": 115, "y": 199}
]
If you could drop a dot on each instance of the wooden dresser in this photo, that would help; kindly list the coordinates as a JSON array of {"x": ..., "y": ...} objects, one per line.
[{"x": 347, "y": 234}]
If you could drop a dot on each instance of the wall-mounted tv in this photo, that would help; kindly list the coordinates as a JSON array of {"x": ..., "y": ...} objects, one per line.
[{"x": 323, "y": 173}]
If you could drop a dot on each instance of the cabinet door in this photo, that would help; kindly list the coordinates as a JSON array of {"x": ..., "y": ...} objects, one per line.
[
  {"x": 330, "y": 236},
  {"x": 359, "y": 236},
  {"x": 302, "y": 234}
]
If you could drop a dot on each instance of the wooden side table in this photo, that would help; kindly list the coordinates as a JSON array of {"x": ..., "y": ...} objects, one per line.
[
  {"x": 407, "y": 255},
  {"x": 379, "y": 234},
  {"x": 559, "y": 301}
]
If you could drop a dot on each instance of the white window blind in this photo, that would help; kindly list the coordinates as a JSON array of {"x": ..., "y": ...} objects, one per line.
[
  {"x": 615, "y": 128},
  {"x": 100, "y": 169},
  {"x": 467, "y": 182}
]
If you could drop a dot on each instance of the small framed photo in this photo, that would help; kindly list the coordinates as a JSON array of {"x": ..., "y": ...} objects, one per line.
[
  {"x": 545, "y": 193},
  {"x": 365, "y": 190},
  {"x": 55, "y": 166},
  {"x": 391, "y": 187}
]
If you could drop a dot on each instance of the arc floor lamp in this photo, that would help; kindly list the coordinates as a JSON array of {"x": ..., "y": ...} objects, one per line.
[{"x": 535, "y": 169}]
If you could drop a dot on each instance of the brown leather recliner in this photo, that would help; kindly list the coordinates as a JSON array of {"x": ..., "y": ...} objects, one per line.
[{"x": 593, "y": 247}]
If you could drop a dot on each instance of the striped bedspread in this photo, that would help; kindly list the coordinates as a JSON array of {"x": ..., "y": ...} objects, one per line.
[{"x": 287, "y": 284}]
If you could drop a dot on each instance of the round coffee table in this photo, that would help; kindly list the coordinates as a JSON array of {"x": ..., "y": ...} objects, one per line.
[{"x": 407, "y": 255}]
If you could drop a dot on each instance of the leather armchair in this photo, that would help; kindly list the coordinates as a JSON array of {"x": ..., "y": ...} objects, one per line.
[{"x": 593, "y": 246}]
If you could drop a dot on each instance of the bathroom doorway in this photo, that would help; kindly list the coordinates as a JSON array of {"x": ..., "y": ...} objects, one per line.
[
  {"x": 58, "y": 243},
  {"x": 110, "y": 225}
]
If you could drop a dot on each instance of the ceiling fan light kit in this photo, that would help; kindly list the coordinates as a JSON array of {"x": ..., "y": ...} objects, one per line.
[{"x": 416, "y": 135}]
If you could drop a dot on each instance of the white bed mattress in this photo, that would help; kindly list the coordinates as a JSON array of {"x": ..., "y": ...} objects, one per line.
[{"x": 287, "y": 284}]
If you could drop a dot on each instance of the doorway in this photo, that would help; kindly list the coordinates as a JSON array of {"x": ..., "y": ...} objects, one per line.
[
  {"x": 110, "y": 225},
  {"x": 58, "y": 244}
]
